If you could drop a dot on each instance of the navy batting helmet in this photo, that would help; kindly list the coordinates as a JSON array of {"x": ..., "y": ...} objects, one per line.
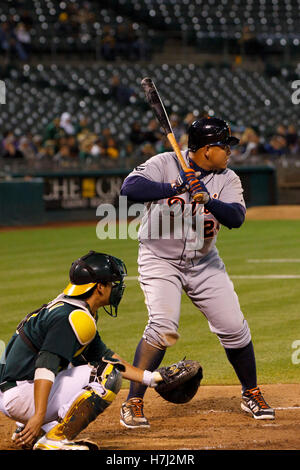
[{"x": 210, "y": 131}]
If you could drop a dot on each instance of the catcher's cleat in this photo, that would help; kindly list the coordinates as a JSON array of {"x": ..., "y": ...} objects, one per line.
[
  {"x": 254, "y": 403},
  {"x": 132, "y": 414},
  {"x": 64, "y": 444},
  {"x": 18, "y": 429}
]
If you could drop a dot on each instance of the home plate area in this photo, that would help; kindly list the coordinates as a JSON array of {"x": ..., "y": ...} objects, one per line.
[{"x": 212, "y": 420}]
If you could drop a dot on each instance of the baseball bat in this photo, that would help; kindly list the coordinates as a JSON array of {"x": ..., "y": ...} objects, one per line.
[{"x": 158, "y": 108}]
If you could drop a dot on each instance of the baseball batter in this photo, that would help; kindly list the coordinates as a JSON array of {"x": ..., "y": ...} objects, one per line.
[
  {"x": 59, "y": 375},
  {"x": 169, "y": 265}
]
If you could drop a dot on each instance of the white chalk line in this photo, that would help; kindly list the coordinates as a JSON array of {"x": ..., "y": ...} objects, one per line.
[
  {"x": 280, "y": 408},
  {"x": 274, "y": 260},
  {"x": 266, "y": 276},
  {"x": 244, "y": 276}
]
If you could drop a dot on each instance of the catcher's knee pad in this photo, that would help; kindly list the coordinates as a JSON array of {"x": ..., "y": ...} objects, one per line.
[
  {"x": 107, "y": 376},
  {"x": 237, "y": 339},
  {"x": 105, "y": 383},
  {"x": 161, "y": 337}
]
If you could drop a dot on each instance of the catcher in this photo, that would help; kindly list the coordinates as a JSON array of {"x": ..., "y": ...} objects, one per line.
[{"x": 59, "y": 375}]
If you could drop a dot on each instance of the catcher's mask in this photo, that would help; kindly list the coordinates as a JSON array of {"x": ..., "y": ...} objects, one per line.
[{"x": 87, "y": 271}]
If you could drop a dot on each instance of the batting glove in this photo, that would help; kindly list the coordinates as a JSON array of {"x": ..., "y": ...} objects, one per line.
[
  {"x": 181, "y": 185},
  {"x": 187, "y": 180}
]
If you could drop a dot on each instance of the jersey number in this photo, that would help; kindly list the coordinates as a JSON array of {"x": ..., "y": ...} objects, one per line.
[{"x": 209, "y": 228}]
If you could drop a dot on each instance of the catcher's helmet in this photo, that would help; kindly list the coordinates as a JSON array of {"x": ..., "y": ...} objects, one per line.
[
  {"x": 93, "y": 268},
  {"x": 210, "y": 131}
]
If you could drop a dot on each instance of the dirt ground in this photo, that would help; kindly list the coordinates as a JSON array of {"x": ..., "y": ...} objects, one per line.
[
  {"x": 212, "y": 420},
  {"x": 279, "y": 212}
]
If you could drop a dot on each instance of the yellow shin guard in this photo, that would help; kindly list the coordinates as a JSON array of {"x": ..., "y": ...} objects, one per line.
[{"x": 87, "y": 406}]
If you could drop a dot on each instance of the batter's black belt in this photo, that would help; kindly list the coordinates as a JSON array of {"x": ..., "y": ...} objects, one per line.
[{"x": 7, "y": 385}]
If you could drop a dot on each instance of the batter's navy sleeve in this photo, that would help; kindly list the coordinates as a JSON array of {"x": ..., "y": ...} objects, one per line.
[
  {"x": 232, "y": 215},
  {"x": 140, "y": 189}
]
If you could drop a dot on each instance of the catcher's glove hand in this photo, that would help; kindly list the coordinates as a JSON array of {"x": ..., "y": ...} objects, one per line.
[{"x": 180, "y": 381}]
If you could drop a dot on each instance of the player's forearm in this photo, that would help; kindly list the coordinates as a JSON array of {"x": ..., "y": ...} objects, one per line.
[
  {"x": 232, "y": 215},
  {"x": 139, "y": 375},
  {"x": 43, "y": 380},
  {"x": 42, "y": 389},
  {"x": 141, "y": 189},
  {"x": 131, "y": 372}
]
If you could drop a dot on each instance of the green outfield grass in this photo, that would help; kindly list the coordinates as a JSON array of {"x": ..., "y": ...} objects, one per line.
[{"x": 35, "y": 265}]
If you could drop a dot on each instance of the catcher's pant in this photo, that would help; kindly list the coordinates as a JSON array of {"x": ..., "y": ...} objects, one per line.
[
  {"x": 18, "y": 402},
  {"x": 206, "y": 283}
]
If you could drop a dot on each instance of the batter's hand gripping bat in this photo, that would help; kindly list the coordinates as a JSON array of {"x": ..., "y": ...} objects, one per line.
[{"x": 158, "y": 108}]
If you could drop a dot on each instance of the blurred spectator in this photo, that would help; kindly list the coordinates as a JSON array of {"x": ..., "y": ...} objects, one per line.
[
  {"x": 63, "y": 156},
  {"x": 177, "y": 126},
  {"x": 120, "y": 92},
  {"x": 108, "y": 44},
  {"x": 53, "y": 131},
  {"x": 71, "y": 142},
  {"x": 277, "y": 145},
  {"x": 152, "y": 132},
  {"x": 112, "y": 148},
  {"x": 141, "y": 47},
  {"x": 292, "y": 139},
  {"x": 163, "y": 145},
  {"x": 249, "y": 142},
  {"x": 84, "y": 13},
  {"x": 26, "y": 19},
  {"x": 249, "y": 44},
  {"x": 188, "y": 120},
  {"x": 66, "y": 124},
  {"x": 183, "y": 142},
  {"x": 123, "y": 46},
  {"x": 106, "y": 135},
  {"x": 37, "y": 144},
  {"x": 83, "y": 125},
  {"x": 27, "y": 149},
  {"x": 136, "y": 136},
  {"x": 281, "y": 130},
  {"x": 10, "y": 147},
  {"x": 65, "y": 25},
  {"x": 85, "y": 147},
  {"x": 97, "y": 149},
  {"x": 23, "y": 36},
  {"x": 9, "y": 42},
  {"x": 47, "y": 151}
]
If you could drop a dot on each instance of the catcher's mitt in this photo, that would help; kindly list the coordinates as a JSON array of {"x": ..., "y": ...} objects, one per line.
[{"x": 180, "y": 381}]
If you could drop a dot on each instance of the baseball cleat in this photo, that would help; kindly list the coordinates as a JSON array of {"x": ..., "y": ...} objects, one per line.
[
  {"x": 254, "y": 403},
  {"x": 48, "y": 444},
  {"x": 19, "y": 428},
  {"x": 132, "y": 414}
]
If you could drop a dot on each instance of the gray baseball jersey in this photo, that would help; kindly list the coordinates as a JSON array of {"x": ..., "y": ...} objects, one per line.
[
  {"x": 164, "y": 168},
  {"x": 168, "y": 265}
]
